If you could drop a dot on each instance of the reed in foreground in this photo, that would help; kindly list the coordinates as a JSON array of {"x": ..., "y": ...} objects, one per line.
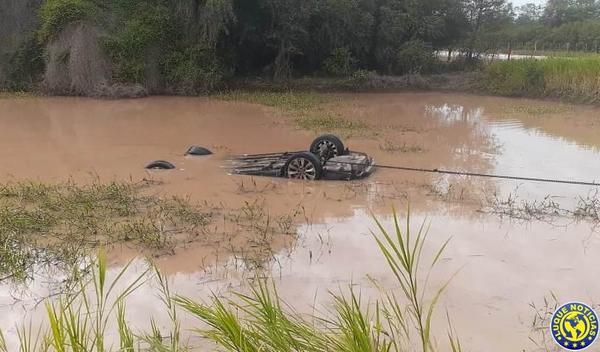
[
  {"x": 93, "y": 318},
  {"x": 261, "y": 321}
]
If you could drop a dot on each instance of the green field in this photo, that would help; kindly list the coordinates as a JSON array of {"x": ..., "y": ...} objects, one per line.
[{"x": 574, "y": 78}]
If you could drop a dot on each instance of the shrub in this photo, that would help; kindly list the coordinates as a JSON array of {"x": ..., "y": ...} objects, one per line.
[
  {"x": 413, "y": 57},
  {"x": 193, "y": 70},
  {"x": 149, "y": 27},
  {"x": 55, "y": 15},
  {"x": 340, "y": 63},
  {"x": 515, "y": 78},
  {"x": 26, "y": 66}
]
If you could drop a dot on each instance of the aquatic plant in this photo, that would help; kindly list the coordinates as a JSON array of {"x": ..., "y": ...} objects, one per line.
[
  {"x": 308, "y": 111},
  {"x": 261, "y": 321},
  {"x": 58, "y": 225},
  {"x": 256, "y": 321}
]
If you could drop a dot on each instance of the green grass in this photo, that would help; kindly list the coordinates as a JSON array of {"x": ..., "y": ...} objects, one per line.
[
  {"x": 59, "y": 224},
  {"x": 261, "y": 321},
  {"x": 392, "y": 147},
  {"x": 331, "y": 123},
  {"x": 536, "y": 110},
  {"x": 308, "y": 111},
  {"x": 290, "y": 102},
  {"x": 258, "y": 320},
  {"x": 15, "y": 95},
  {"x": 572, "y": 79}
]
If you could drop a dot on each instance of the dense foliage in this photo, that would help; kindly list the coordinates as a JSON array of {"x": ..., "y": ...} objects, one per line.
[
  {"x": 561, "y": 25},
  {"x": 193, "y": 46}
]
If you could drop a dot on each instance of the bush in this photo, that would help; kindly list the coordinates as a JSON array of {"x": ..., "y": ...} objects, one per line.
[
  {"x": 193, "y": 70},
  {"x": 147, "y": 27},
  {"x": 515, "y": 78},
  {"x": 55, "y": 15},
  {"x": 26, "y": 66},
  {"x": 413, "y": 57},
  {"x": 340, "y": 63}
]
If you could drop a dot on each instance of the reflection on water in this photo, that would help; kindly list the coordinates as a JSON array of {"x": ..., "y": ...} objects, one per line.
[
  {"x": 530, "y": 152},
  {"x": 452, "y": 113},
  {"x": 505, "y": 264}
]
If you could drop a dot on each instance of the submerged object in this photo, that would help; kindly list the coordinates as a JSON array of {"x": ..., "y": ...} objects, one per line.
[
  {"x": 198, "y": 151},
  {"x": 326, "y": 159},
  {"x": 160, "y": 165}
]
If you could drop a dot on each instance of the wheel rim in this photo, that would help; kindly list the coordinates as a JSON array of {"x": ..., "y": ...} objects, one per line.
[
  {"x": 327, "y": 149},
  {"x": 302, "y": 169}
]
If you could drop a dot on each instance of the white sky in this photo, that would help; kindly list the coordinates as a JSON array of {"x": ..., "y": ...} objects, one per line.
[{"x": 521, "y": 2}]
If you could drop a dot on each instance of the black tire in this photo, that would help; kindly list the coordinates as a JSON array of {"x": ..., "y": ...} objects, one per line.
[
  {"x": 303, "y": 166},
  {"x": 327, "y": 146},
  {"x": 198, "y": 151},
  {"x": 160, "y": 165}
]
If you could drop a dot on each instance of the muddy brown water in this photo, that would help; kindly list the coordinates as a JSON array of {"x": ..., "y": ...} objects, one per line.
[{"x": 506, "y": 263}]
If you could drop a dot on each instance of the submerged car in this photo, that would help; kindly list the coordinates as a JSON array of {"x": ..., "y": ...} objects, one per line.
[{"x": 327, "y": 158}]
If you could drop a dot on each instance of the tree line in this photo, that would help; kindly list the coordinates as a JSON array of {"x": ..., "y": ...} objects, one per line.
[{"x": 192, "y": 46}]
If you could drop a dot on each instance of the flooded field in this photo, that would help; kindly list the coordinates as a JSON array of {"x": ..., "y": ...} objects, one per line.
[{"x": 515, "y": 244}]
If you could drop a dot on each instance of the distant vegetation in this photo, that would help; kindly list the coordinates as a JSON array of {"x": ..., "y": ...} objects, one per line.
[
  {"x": 573, "y": 78},
  {"x": 137, "y": 47}
]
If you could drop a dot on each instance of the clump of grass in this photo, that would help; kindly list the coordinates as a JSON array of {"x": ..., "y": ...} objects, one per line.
[
  {"x": 331, "y": 123},
  {"x": 15, "y": 95},
  {"x": 574, "y": 79},
  {"x": 540, "y": 331},
  {"x": 289, "y": 102},
  {"x": 306, "y": 109},
  {"x": 58, "y": 224},
  {"x": 261, "y": 321},
  {"x": 586, "y": 207},
  {"x": 262, "y": 233},
  {"x": 82, "y": 320},
  {"x": 536, "y": 110},
  {"x": 391, "y": 147}
]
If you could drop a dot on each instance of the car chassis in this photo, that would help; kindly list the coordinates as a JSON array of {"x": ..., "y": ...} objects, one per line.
[{"x": 327, "y": 158}]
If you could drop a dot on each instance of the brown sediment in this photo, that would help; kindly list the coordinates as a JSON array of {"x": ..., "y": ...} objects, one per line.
[{"x": 328, "y": 244}]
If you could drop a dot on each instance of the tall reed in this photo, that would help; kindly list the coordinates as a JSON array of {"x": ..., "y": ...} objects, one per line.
[
  {"x": 259, "y": 320},
  {"x": 573, "y": 78}
]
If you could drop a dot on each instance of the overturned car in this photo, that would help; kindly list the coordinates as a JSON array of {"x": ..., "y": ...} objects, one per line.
[{"x": 327, "y": 158}]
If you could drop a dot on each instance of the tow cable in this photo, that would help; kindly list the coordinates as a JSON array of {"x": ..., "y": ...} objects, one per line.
[{"x": 464, "y": 173}]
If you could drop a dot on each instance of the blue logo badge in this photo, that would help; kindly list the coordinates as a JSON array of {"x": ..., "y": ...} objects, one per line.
[{"x": 574, "y": 326}]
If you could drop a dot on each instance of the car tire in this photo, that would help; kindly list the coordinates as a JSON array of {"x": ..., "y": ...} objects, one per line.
[
  {"x": 303, "y": 166},
  {"x": 160, "y": 165},
  {"x": 327, "y": 146}
]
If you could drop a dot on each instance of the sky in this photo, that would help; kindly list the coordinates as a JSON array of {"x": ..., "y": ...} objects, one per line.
[{"x": 521, "y": 2}]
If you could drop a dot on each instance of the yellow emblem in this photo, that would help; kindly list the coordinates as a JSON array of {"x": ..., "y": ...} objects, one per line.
[{"x": 574, "y": 326}]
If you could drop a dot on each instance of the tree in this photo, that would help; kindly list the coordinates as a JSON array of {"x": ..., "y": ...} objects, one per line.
[
  {"x": 529, "y": 13},
  {"x": 484, "y": 18}
]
